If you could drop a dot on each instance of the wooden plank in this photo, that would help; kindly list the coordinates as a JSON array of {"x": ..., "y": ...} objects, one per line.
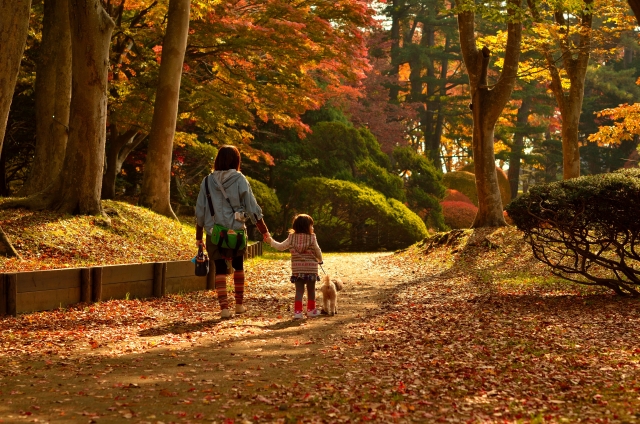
[
  {"x": 3, "y": 296},
  {"x": 85, "y": 285},
  {"x": 11, "y": 281},
  {"x": 48, "y": 280},
  {"x": 96, "y": 289},
  {"x": 137, "y": 290},
  {"x": 186, "y": 284},
  {"x": 124, "y": 273},
  {"x": 180, "y": 269},
  {"x": 47, "y": 300},
  {"x": 159, "y": 279}
]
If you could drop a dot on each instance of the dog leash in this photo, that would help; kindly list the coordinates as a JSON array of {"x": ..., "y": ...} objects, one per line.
[{"x": 319, "y": 264}]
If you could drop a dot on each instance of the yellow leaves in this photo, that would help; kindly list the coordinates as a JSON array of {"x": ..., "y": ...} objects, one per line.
[
  {"x": 182, "y": 139},
  {"x": 628, "y": 125}
]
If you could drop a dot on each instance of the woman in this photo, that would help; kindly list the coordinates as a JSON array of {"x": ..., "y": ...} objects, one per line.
[{"x": 233, "y": 203}]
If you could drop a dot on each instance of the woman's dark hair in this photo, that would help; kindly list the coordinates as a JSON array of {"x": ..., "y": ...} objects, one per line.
[
  {"x": 228, "y": 157},
  {"x": 302, "y": 224}
]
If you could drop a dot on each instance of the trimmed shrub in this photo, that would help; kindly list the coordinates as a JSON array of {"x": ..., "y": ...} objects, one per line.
[
  {"x": 586, "y": 229},
  {"x": 356, "y": 218},
  {"x": 503, "y": 182},
  {"x": 451, "y": 195},
  {"x": 464, "y": 182},
  {"x": 268, "y": 201},
  {"x": 458, "y": 214},
  {"x": 379, "y": 179}
]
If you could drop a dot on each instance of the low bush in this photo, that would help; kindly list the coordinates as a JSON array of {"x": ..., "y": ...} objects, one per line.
[
  {"x": 586, "y": 229},
  {"x": 356, "y": 218},
  {"x": 462, "y": 181},
  {"x": 268, "y": 201},
  {"x": 451, "y": 195},
  {"x": 458, "y": 214}
]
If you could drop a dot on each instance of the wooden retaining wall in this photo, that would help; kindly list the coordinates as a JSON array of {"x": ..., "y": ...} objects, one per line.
[{"x": 23, "y": 292}]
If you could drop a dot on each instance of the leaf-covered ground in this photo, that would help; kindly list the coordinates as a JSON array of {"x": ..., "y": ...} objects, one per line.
[
  {"x": 469, "y": 331},
  {"x": 130, "y": 234}
]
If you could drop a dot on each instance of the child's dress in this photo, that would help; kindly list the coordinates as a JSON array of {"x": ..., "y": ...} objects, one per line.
[{"x": 305, "y": 256}]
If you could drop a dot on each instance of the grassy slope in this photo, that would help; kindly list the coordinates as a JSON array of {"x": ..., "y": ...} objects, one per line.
[{"x": 47, "y": 240}]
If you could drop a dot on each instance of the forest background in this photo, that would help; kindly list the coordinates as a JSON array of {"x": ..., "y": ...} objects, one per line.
[{"x": 359, "y": 113}]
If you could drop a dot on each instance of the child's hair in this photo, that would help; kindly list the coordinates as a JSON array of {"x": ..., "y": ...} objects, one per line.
[{"x": 302, "y": 224}]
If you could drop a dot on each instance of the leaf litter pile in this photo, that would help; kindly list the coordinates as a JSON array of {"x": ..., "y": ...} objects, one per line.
[{"x": 464, "y": 327}]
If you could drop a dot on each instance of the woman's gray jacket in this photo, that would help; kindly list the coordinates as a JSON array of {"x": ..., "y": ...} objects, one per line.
[{"x": 240, "y": 195}]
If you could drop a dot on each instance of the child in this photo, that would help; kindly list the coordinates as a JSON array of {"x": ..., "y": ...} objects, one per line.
[{"x": 305, "y": 256}]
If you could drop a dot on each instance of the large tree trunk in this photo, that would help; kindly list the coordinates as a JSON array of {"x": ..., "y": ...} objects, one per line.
[
  {"x": 118, "y": 148},
  {"x": 518, "y": 144},
  {"x": 14, "y": 24},
  {"x": 574, "y": 61},
  {"x": 487, "y": 105},
  {"x": 53, "y": 97},
  {"x": 156, "y": 181},
  {"x": 76, "y": 190}
]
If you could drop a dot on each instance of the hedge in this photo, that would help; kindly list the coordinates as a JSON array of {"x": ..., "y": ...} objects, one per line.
[
  {"x": 458, "y": 214},
  {"x": 355, "y": 218},
  {"x": 586, "y": 229},
  {"x": 464, "y": 182}
]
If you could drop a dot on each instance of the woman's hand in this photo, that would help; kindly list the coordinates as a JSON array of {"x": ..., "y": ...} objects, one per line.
[
  {"x": 199, "y": 243},
  {"x": 266, "y": 237}
]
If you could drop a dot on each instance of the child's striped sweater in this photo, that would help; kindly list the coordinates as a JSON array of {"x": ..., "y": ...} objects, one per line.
[{"x": 305, "y": 252}]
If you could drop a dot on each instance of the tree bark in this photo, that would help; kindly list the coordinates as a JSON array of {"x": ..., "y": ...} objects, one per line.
[
  {"x": 487, "y": 105},
  {"x": 156, "y": 180},
  {"x": 518, "y": 143},
  {"x": 76, "y": 190},
  {"x": 396, "y": 13},
  {"x": 53, "y": 97},
  {"x": 14, "y": 24},
  {"x": 574, "y": 62},
  {"x": 118, "y": 148}
]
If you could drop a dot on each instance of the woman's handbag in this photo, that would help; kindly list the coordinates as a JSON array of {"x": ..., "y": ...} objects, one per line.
[{"x": 202, "y": 263}]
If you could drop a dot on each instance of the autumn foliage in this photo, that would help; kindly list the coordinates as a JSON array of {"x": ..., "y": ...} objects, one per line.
[
  {"x": 452, "y": 195},
  {"x": 458, "y": 214}
]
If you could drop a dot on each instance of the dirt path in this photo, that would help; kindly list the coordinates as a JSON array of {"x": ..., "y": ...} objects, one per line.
[
  {"x": 261, "y": 366},
  {"x": 474, "y": 332}
]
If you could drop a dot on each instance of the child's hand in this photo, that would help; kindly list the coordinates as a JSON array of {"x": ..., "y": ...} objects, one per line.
[{"x": 266, "y": 237}]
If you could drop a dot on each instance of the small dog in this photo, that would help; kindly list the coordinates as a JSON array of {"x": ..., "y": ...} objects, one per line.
[{"x": 330, "y": 291}]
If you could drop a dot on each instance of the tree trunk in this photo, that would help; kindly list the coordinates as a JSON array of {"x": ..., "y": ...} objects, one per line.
[
  {"x": 487, "y": 105},
  {"x": 570, "y": 142},
  {"x": 53, "y": 97},
  {"x": 156, "y": 181},
  {"x": 518, "y": 143},
  {"x": 118, "y": 149},
  {"x": 14, "y": 24},
  {"x": 76, "y": 190},
  {"x": 575, "y": 58},
  {"x": 394, "y": 90}
]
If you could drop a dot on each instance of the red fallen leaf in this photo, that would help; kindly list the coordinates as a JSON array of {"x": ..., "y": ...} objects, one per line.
[{"x": 167, "y": 393}]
